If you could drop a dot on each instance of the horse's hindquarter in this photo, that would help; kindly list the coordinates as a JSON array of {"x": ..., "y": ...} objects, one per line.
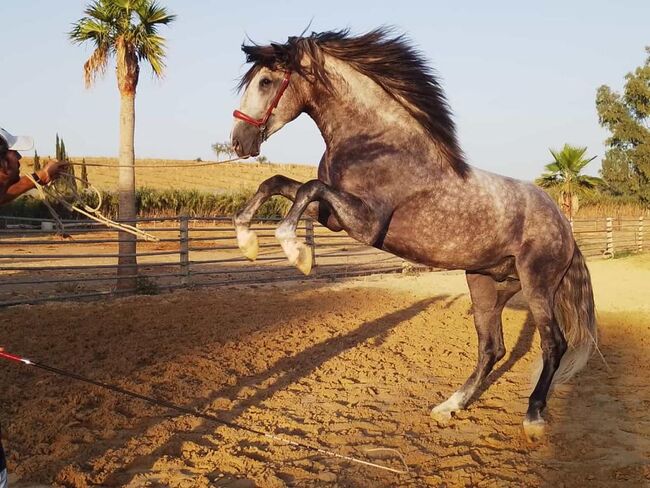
[{"x": 460, "y": 224}]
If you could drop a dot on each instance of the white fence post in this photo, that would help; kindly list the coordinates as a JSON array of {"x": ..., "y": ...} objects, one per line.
[
  {"x": 184, "y": 249},
  {"x": 609, "y": 251},
  {"x": 639, "y": 239}
]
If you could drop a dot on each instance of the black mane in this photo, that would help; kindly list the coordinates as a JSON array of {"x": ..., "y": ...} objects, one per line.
[{"x": 390, "y": 61}]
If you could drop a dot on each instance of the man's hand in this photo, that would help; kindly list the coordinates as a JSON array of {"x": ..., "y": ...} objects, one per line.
[{"x": 51, "y": 171}]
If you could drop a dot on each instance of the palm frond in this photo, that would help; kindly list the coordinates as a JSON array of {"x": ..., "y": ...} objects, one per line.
[
  {"x": 89, "y": 29},
  {"x": 133, "y": 25},
  {"x": 591, "y": 181},
  {"x": 547, "y": 180},
  {"x": 152, "y": 50},
  {"x": 96, "y": 65},
  {"x": 103, "y": 11},
  {"x": 152, "y": 14},
  {"x": 553, "y": 167}
]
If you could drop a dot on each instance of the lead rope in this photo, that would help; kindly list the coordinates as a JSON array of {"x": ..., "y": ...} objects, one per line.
[
  {"x": 94, "y": 213},
  {"x": 206, "y": 416},
  {"x": 85, "y": 210},
  {"x": 160, "y": 166}
]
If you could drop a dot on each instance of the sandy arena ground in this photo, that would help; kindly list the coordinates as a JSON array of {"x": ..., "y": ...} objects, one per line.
[{"x": 354, "y": 367}]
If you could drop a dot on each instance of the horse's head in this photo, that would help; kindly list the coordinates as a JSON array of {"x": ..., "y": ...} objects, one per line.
[{"x": 272, "y": 95}]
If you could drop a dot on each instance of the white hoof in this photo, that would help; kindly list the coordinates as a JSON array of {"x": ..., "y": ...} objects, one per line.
[
  {"x": 247, "y": 242},
  {"x": 443, "y": 412},
  {"x": 442, "y": 417},
  {"x": 298, "y": 254},
  {"x": 534, "y": 431}
]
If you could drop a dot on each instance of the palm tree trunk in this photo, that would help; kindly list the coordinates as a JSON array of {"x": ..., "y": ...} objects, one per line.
[{"x": 127, "y": 262}]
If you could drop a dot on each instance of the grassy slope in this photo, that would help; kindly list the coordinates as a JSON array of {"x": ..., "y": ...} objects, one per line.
[
  {"x": 245, "y": 177},
  {"x": 216, "y": 178}
]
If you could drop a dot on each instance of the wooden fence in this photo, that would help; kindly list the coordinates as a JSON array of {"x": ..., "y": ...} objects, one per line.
[
  {"x": 609, "y": 237},
  {"x": 37, "y": 264}
]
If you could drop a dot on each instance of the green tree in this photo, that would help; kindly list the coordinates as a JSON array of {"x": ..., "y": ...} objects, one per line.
[
  {"x": 66, "y": 183},
  {"x": 128, "y": 31},
  {"x": 563, "y": 179},
  {"x": 37, "y": 162},
  {"x": 57, "y": 150},
  {"x": 626, "y": 166},
  {"x": 223, "y": 148},
  {"x": 84, "y": 175}
]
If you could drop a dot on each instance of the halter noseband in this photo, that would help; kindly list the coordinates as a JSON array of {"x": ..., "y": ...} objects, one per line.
[{"x": 261, "y": 123}]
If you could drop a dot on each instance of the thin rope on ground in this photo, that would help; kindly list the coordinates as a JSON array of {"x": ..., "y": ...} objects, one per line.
[{"x": 197, "y": 413}]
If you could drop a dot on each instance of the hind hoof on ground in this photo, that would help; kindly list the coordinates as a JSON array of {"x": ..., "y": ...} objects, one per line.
[
  {"x": 442, "y": 418},
  {"x": 534, "y": 430},
  {"x": 247, "y": 242}
]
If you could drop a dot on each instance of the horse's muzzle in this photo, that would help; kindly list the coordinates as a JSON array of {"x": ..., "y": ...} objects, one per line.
[{"x": 245, "y": 140}]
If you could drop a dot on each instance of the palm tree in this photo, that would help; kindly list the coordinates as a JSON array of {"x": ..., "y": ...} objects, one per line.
[
  {"x": 127, "y": 30},
  {"x": 563, "y": 178}
]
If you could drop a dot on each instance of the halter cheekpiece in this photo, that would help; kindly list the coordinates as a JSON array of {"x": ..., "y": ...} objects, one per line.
[{"x": 261, "y": 122}]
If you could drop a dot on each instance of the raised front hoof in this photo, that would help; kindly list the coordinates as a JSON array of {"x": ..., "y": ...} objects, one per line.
[
  {"x": 247, "y": 242},
  {"x": 299, "y": 255},
  {"x": 534, "y": 430}
]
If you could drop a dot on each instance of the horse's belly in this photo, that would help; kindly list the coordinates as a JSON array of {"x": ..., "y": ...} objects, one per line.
[{"x": 446, "y": 245}]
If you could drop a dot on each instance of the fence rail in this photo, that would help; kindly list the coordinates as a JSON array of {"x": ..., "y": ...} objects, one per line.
[{"x": 37, "y": 264}]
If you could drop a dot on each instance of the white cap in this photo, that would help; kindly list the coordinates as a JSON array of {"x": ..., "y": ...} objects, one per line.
[{"x": 17, "y": 143}]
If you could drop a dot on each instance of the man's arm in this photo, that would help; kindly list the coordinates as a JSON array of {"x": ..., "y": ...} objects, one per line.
[
  {"x": 17, "y": 189},
  {"x": 46, "y": 175}
]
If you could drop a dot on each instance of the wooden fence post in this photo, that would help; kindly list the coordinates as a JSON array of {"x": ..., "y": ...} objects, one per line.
[
  {"x": 609, "y": 251},
  {"x": 639, "y": 240},
  {"x": 184, "y": 229},
  {"x": 310, "y": 239}
]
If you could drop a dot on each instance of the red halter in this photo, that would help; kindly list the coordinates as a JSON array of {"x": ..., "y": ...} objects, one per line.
[{"x": 261, "y": 123}]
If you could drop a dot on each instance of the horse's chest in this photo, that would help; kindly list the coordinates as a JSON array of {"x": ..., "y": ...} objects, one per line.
[{"x": 361, "y": 178}]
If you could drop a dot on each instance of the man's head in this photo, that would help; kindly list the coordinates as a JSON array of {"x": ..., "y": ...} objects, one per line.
[{"x": 10, "y": 157}]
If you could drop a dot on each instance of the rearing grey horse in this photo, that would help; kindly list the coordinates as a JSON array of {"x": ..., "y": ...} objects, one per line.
[{"x": 393, "y": 177}]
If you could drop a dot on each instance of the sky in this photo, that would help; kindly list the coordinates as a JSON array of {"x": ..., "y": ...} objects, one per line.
[{"x": 520, "y": 77}]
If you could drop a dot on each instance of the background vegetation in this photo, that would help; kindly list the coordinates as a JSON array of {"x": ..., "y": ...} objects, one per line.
[{"x": 154, "y": 203}]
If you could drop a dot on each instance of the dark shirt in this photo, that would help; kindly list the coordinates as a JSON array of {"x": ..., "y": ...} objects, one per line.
[{"x": 3, "y": 462}]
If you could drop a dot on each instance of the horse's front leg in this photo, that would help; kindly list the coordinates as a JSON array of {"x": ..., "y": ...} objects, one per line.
[
  {"x": 355, "y": 216},
  {"x": 276, "y": 185}
]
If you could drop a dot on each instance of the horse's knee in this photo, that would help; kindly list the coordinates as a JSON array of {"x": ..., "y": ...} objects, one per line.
[
  {"x": 310, "y": 189},
  {"x": 270, "y": 184},
  {"x": 499, "y": 352},
  {"x": 493, "y": 354}
]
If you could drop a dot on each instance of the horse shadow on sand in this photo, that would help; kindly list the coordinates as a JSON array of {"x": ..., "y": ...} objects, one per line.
[{"x": 288, "y": 370}]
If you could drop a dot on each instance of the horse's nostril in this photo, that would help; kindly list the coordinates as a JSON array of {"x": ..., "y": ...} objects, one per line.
[{"x": 236, "y": 145}]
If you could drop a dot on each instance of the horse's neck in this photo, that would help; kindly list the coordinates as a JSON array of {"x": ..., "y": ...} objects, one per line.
[
  {"x": 358, "y": 118},
  {"x": 357, "y": 107}
]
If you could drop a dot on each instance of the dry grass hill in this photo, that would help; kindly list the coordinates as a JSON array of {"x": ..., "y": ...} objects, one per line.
[{"x": 216, "y": 178}]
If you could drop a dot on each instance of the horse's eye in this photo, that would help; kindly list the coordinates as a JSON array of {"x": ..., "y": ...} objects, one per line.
[{"x": 264, "y": 82}]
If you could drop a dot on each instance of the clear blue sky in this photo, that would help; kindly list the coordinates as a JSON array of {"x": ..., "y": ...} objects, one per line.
[{"x": 520, "y": 76}]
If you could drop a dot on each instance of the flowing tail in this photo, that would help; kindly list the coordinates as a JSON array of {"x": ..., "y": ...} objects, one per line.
[{"x": 576, "y": 315}]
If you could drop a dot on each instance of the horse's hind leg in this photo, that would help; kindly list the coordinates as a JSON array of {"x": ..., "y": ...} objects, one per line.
[
  {"x": 539, "y": 280},
  {"x": 488, "y": 299},
  {"x": 276, "y": 185}
]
